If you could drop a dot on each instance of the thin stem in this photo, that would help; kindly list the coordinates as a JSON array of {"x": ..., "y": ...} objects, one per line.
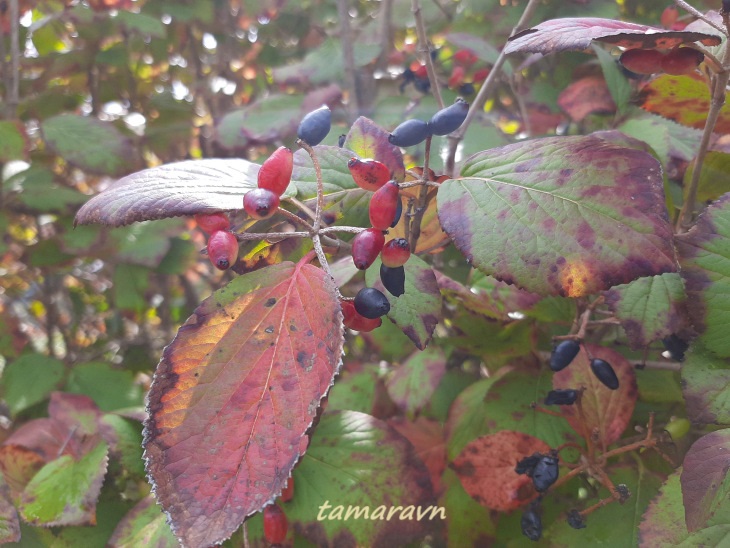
[
  {"x": 320, "y": 186},
  {"x": 348, "y": 58},
  {"x": 350, "y": 229},
  {"x": 301, "y": 205},
  {"x": 418, "y": 183},
  {"x": 13, "y": 94},
  {"x": 422, "y": 197},
  {"x": 685, "y": 6},
  {"x": 294, "y": 218},
  {"x": 423, "y": 42},
  {"x": 248, "y": 236}
]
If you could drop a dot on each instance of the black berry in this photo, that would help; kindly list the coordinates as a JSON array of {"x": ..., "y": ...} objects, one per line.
[
  {"x": 623, "y": 492},
  {"x": 545, "y": 473},
  {"x": 576, "y": 520},
  {"x": 315, "y": 126},
  {"x": 604, "y": 373},
  {"x": 676, "y": 347},
  {"x": 371, "y": 303},
  {"x": 398, "y": 213},
  {"x": 527, "y": 465},
  {"x": 531, "y": 524},
  {"x": 561, "y": 397},
  {"x": 450, "y": 118},
  {"x": 409, "y": 133},
  {"x": 394, "y": 279},
  {"x": 563, "y": 354}
]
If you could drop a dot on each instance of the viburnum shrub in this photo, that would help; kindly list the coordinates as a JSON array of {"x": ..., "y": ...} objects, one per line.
[{"x": 507, "y": 307}]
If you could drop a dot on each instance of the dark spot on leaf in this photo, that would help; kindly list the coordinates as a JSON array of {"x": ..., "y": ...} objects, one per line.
[
  {"x": 269, "y": 329},
  {"x": 270, "y": 302}
]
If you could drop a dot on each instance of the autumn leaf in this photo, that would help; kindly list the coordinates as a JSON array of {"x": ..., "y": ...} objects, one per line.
[{"x": 235, "y": 393}]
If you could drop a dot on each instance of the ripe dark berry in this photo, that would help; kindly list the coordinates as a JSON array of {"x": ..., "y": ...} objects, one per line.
[
  {"x": 467, "y": 88},
  {"x": 260, "y": 203},
  {"x": 371, "y": 303},
  {"x": 545, "y": 473},
  {"x": 222, "y": 249},
  {"x": 563, "y": 354},
  {"x": 384, "y": 205},
  {"x": 211, "y": 222},
  {"x": 355, "y": 321},
  {"x": 450, "y": 118},
  {"x": 682, "y": 61},
  {"x": 288, "y": 493},
  {"x": 642, "y": 61},
  {"x": 409, "y": 133},
  {"x": 527, "y": 465},
  {"x": 315, "y": 126},
  {"x": 576, "y": 520},
  {"x": 275, "y": 172},
  {"x": 623, "y": 491},
  {"x": 366, "y": 246},
  {"x": 275, "y": 524},
  {"x": 368, "y": 174},
  {"x": 676, "y": 347},
  {"x": 531, "y": 524},
  {"x": 398, "y": 213},
  {"x": 604, "y": 373},
  {"x": 396, "y": 252},
  {"x": 394, "y": 279},
  {"x": 561, "y": 397}
]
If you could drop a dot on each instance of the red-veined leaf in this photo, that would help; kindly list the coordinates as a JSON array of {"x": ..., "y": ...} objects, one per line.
[
  {"x": 235, "y": 393},
  {"x": 607, "y": 410},
  {"x": 577, "y": 34}
]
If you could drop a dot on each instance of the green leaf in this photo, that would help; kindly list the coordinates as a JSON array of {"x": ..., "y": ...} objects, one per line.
[
  {"x": 14, "y": 143},
  {"x": 705, "y": 481},
  {"x": 354, "y": 390},
  {"x": 418, "y": 310},
  {"x": 145, "y": 243},
  {"x": 142, "y": 23},
  {"x": 126, "y": 443},
  {"x": 468, "y": 418},
  {"x": 705, "y": 379},
  {"x": 29, "y": 380},
  {"x": 64, "y": 491},
  {"x": 9, "y": 523},
  {"x": 357, "y": 460},
  {"x": 705, "y": 258},
  {"x": 39, "y": 191},
  {"x": 90, "y": 144},
  {"x": 717, "y": 535},
  {"x": 130, "y": 283},
  {"x": 566, "y": 216},
  {"x": 467, "y": 521},
  {"x": 668, "y": 139},
  {"x": 617, "y": 83},
  {"x": 663, "y": 521},
  {"x": 714, "y": 178},
  {"x": 144, "y": 525},
  {"x": 411, "y": 384},
  {"x": 368, "y": 140},
  {"x": 649, "y": 308},
  {"x": 110, "y": 388}
]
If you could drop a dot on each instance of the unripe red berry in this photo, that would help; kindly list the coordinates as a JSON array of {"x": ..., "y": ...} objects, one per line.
[
  {"x": 222, "y": 249},
  {"x": 457, "y": 77},
  {"x": 260, "y": 203},
  {"x": 384, "y": 205},
  {"x": 368, "y": 174},
  {"x": 355, "y": 321},
  {"x": 275, "y": 172},
  {"x": 288, "y": 493},
  {"x": 465, "y": 58},
  {"x": 366, "y": 246},
  {"x": 396, "y": 252},
  {"x": 642, "y": 61},
  {"x": 481, "y": 75},
  {"x": 210, "y": 222},
  {"x": 682, "y": 61},
  {"x": 275, "y": 524}
]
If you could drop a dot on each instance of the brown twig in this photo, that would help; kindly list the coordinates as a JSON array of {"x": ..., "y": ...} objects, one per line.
[
  {"x": 423, "y": 43},
  {"x": 422, "y": 196},
  {"x": 348, "y": 58},
  {"x": 690, "y": 9}
]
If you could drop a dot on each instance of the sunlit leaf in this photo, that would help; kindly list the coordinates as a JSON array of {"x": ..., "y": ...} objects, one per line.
[
  {"x": 609, "y": 411},
  {"x": 577, "y": 34},
  {"x": 663, "y": 521},
  {"x": 565, "y": 216},
  {"x": 705, "y": 257},
  {"x": 144, "y": 525},
  {"x": 714, "y": 178},
  {"x": 242, "y": 381},
  {"x": 368, "y": 140},
  {"x": 705, "y": 483}
]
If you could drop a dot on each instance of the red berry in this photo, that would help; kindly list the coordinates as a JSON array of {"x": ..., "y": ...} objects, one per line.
[
  {"x": 368, "y": 174},
  {"x": 210, "y": 222},
  {"x": 384, "y": 205},
  {"x": 465, "y": 58},
  {"x": 395, "y": 253},
  {"x": 457, "y": 77},
  {"x": 275, "y": 173},
  {"x": 275, "y": 524},
  {"x": 222, "y": 249},
  {"x": 421, "y": 72},
  {"x": 669, "y": 17},
  {"x": 355, "y": 321},
  {"x": 288, "y": 493},
  {"x": 642, "y": 61},
  {"x": 366, "y": 246},
  {"x": 682, "y": 61},
  {"x": 260, "y": 203},
  {"x": 481, "y": 75}
]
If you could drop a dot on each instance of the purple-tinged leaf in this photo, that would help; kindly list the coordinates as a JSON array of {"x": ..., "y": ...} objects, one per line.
[
  {"x": 234, "y": 395},
  {"x": 418, "y": 310},
  {"x": 412, "y": 383},
  {"x": 705, "y": 483},
  {"x": 649, "y": 308},
  {"x": 705, "y": 258},
  {"x": 144, "y": 525},
  {"x": 172, "y": 190},
  {"x": 568, "y": 216},
  {"x": 577, "y": 34},
  {"x": 9, "y": 523},
  {"x": 705, "y": 381},
  {"x": 663, "y": 521},
  {"x": 369, "y": 140}
]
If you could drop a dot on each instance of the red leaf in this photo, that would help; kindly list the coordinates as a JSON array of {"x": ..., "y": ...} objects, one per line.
[
  {"x": 704, "y": 478},
  {"x": 586, "y": 96},
  {"x": 486, "y": 468},
  {"x": 427, "y": 437},
  {"x": 578, "y": 33},
  {"x": 235, "y": 393},
  {"x": 607, "y": 410}
]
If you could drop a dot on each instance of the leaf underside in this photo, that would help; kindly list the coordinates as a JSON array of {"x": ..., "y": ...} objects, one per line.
[{"x": 235, "y": 393}]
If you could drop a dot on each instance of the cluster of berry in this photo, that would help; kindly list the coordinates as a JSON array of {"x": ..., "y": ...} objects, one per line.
[
  {"x": 275, "y": 522},
  {"x": 562, "y": 356},
  {"x": 677, "y": 61},
  {"x": 543, "y": 469},
  {"x": 415, "y": 131},
  {"x": 463, "y": 74}
]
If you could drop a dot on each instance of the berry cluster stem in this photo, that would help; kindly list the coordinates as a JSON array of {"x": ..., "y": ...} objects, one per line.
[{"x": 420, "y": 206}]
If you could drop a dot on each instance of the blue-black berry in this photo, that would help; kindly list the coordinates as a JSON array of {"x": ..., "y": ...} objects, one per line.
[
  {"x": 394, "y": 279},
  {"x": 561, "y": 397},
  {"x": 604, "y": 373},
  {"x": 545, "y": 473},
  {"x": 563, "y": 354},
  {"x": 409, "y": 133},
  {"x": 315, "y": 126},
  {"x": 531, "y": 524},
  {"x": 450, "y": 118},
  {"x": 371, "y": 303}
]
